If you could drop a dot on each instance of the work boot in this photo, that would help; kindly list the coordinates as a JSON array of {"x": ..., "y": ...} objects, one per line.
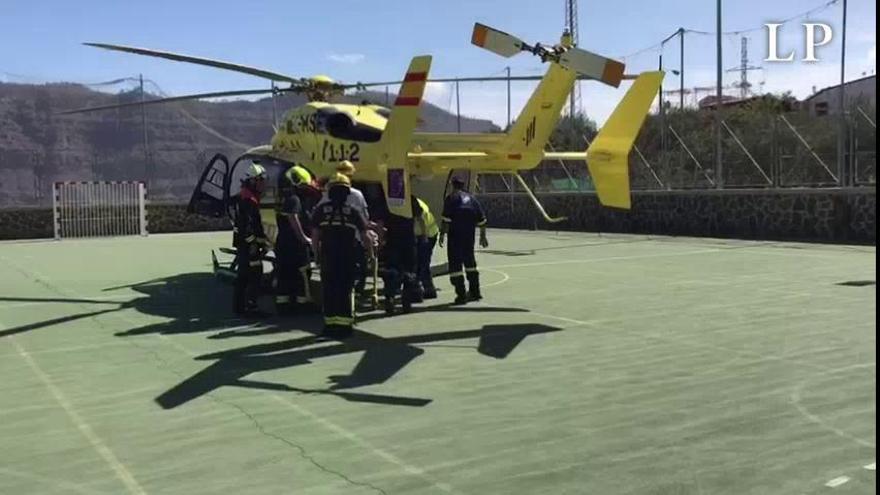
[
  {"x": 430, "y": 292},
  {"x": 474, "y": 284},
  {"x": 460, "y": 292}
]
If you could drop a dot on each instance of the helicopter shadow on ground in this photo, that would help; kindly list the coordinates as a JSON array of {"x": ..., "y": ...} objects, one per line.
[
  {"x": 188, "y": 303},
  {"x": 380, "y": 360},
  {"x": 199, "y": 303}
]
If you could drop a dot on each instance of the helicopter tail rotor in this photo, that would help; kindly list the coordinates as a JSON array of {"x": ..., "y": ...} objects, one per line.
[{"x": 583, "y": 62}]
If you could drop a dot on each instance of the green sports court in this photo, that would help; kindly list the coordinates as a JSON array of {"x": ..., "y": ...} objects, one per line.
[{"x": 596, "y": 364}]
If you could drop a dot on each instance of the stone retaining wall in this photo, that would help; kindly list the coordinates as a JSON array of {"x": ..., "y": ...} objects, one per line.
[{"x": 824, "y": 215}]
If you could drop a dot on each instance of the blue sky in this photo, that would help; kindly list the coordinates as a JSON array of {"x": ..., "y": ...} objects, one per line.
[{"x": 356, "y": 40}]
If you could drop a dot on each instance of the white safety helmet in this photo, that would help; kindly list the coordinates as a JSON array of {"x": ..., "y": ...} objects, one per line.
[{"x": 255, "y": 171}]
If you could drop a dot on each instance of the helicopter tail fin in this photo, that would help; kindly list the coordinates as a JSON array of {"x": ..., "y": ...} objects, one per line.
[
  {"x": 608, "y": 156},
  {"x": 397, "y": 136}
]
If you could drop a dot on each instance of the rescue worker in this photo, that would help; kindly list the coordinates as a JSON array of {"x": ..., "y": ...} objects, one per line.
[
  {"x": 250, "y": 240},
  {"x": 400, "y": 260},
  {"x": 462, "y": 213},
  {"x": 292, "y": 244},
  {"x": 427, "y": 231},
  {"x": 336, "y": 224},
  {"x": 356, "y": 197},
  {"x": 356, "y": 200}
]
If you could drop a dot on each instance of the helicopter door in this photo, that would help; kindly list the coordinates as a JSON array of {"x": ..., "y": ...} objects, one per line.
[{"x": 208, "y": 198}]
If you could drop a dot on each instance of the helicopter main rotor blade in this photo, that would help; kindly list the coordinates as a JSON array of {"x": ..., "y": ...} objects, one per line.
[
  {"x": 218, "y": 64},
  {"x": 580, "y": 77},
  {"x": 198, "y": 96}
]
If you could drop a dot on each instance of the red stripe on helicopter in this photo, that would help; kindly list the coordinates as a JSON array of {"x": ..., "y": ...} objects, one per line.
[
  {"x": 407, "y": 101},
  {"x": 415, "y": 76},
  {"x": 516, "y": 156}
]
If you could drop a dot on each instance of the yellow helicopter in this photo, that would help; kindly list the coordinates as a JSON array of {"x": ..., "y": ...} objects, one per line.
[{"x": 387, "y": 150}]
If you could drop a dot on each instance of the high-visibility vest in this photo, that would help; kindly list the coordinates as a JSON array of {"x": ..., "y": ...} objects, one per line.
[{"x": 431, "y": 227}]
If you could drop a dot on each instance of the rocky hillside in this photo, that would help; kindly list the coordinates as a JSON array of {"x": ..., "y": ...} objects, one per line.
[{"x": 38, "y": 147}]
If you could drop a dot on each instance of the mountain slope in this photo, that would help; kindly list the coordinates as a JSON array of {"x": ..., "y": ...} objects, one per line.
[{"x": 38, "y": 147}]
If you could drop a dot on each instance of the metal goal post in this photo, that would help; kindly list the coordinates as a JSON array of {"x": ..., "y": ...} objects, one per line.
[{"x": 99, "y": 209}]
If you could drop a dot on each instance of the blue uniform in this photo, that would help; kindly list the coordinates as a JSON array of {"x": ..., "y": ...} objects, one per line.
[{"x": 462, "y": 214}]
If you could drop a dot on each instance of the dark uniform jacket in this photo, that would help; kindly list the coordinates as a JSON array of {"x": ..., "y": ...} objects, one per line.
[
  {"x": 290, "y": 205},
  {"x": 462, "y": 212},
  {"x": 338, "y": 227},
  {"x": 248, "y": 224}
]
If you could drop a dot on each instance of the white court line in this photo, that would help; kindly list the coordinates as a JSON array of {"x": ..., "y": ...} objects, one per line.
[
  {"x": 837, "y": 481},
  {"x": 602, "y": 324},
  {"x": 347, "y": 434},
  {"x": 408, "y": 468},
  {"x": 11, "y": 305},
  {"x": 100, "y": 447},
  {"x": 871, "y": 467},
  {"x": 505, "y": 277},
  {"x": 795, "y": 398},
  {"x": 339, "y": 430},
  {"x": 796, "y": 402},
  {"x": 609, "y": 258},
  {"x": 75, "y": 348}
]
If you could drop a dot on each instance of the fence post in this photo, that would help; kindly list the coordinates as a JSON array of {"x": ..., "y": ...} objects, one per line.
[
  {"x": 142, "y": 207},
  {"x": 55, "y": 219},
  {"x": 774, "y": 152}
]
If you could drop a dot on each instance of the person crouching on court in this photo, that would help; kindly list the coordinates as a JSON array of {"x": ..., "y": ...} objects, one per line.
[{"x": 336, "y": 227}]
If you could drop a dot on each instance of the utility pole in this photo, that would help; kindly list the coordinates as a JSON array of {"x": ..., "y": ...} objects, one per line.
[
  {"x": 571, "y": 23},
  {"x": 274, "y": 110},
  {"x": 148, "y": 169},
  {"x": 662, "y": 111},
  {"x": 841, "y": 132},
  {"x": 508, "y": 97},
  {"x": 719, "y": 169},
  {"x": 457, "y": 107},
  {"x": 681, "y": 67}
]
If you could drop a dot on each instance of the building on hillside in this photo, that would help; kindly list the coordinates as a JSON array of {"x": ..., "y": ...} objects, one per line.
[{"x": 861, "y": 92}]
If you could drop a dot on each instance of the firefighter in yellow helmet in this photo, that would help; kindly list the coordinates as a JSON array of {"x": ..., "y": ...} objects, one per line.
[
  {"x": 357, "y": 200},
  {"x": 336, "y": 225},
  {"x": 292, "y": 271}
]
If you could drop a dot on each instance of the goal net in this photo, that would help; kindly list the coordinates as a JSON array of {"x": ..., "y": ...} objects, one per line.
[{"x": 99, "y": 209}]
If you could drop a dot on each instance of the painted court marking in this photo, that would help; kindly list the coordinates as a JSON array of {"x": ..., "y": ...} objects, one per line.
[
  {"x": 796, "y": 402},
  {"x": 837, "y": 481},
  {"x": 871, "y": 467},
  {"x": 609, "y": 258},
  {"x": 347, "y": 434},
  {"x": 505, "y": 277},
  {"x": 335, "y": 428},
  {"x": 100, "y": 447}
]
